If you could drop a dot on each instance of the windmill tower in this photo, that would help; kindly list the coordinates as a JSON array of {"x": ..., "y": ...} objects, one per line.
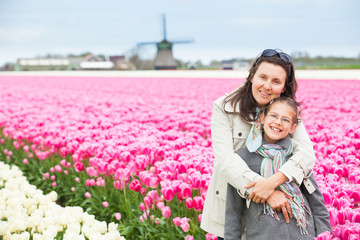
[{"x": 164, "y": 57}]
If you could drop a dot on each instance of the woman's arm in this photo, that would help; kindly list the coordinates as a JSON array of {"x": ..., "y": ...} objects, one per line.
[{"x": 230, "y": 164}]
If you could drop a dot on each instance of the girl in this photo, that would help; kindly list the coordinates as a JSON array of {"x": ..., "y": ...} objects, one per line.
[
  {"x": 279, "y": 119},
  {"x": 271, "y": 75}
]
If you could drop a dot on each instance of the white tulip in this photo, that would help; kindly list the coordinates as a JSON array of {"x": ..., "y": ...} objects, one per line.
[
  {"x": 4, "y": 228},
  {"x": 74, "y": 227},
  {"x": 38, "y": 236},
  {"x": 113, "y": 226}
]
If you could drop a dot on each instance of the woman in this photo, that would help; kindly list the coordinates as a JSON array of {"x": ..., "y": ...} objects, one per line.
[{"x": 271, "y": 75}]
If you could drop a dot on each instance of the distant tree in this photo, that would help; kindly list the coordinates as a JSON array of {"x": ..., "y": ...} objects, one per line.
[
  {"x": 198, "y": 64},
  {"x": 300, "y": 54},
  {"x": 215, "y": 64},
  {"x": 84, "y": 54},
  {"x": 141, "y": 64}
]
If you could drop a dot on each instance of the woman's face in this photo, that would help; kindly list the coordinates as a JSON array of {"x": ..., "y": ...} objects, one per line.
[{"x": 268, "y": 83}]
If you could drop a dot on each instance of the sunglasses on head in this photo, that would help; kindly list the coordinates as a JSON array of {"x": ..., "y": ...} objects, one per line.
[{"x": 273, "y": 52}]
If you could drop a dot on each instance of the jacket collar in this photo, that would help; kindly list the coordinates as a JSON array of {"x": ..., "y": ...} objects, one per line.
[{"x": 229, "y": 108}]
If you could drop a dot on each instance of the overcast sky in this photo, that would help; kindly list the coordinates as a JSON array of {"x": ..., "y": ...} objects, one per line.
[{"x": 221, "y": 29}]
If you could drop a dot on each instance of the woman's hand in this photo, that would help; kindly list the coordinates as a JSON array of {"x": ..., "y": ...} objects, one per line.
[
  {"x": 262, "y": 190},
  {"x": 278, "y": 201},
  {"x": 265, "y": 187}
]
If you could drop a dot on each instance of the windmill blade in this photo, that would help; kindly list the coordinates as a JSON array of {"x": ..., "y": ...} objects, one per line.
[
  {"x": 164, "y": 26},
  {"x": 146, "y": 43},
  {"x": 183, "y": 41}
]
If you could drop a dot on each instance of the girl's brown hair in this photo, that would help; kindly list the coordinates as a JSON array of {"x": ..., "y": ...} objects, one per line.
[{"x": 243, "y": 99}]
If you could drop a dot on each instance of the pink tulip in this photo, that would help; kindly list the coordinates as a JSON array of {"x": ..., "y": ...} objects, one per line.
[
  {"x": 154, "y": 182},
  {"x": 142, "y": 207},
  {"x": 91, "y": 172},
  {"x": 200, "y": 217},
  {"x": 185, "y": 226},
  {"x": 177, "y": 221},
  {"x": 87, "y": 195},
  {"x": 143, "y": 191},
  {"x": 63, "y": 162},
  {"x": 327, "y": 197},
  {"x": 168, "y": 194},
  {"x": 147, "y": 201},
  {"x": 356, "y": 218},
  {"x": 189, "y": 203},
  {"x": 72, "y": 189},
  {"x": 186, "y": 191},
  {"x": 47, "y": 175},
  {"x": 198, "y": 203},
  {"x": 160, "y": 205},
  {"x": 118, "y": 185},
  {"x": 105, "y": 204},
  {"x": 117, "y": 216},
  {"x": 166, "y": 212},
  {"x": 209, "y": 236},
  {"x": 189, "y": 237},
  {"x": 135, "y": 185},
  {"x": 79, "y": 166},
  {"x": 54, "y": 184},
  {"x": 25, "y": 161},
  {"x": 26, "y": 148},
  {"x": 66, "y": 172},
  {"x": 58, "y": 168},
  {"x": 77, "y": 179},
  {"x": 324, "y": 236},
  {"x": 53, "y": 177},
  {"x": 90, "y": 182}
]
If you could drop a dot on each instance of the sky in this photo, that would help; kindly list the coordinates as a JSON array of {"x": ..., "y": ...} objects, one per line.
[{"x": 220, "y": 30}]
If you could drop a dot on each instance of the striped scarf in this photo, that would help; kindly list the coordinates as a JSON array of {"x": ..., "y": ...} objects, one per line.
[{"x": 274, "y": 156}]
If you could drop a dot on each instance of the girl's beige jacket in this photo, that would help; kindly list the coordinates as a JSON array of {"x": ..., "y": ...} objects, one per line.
[{"x": 229, "y": 133}]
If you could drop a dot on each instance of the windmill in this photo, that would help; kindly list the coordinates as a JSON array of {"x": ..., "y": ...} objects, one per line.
[{"x": 164, "y": 57}]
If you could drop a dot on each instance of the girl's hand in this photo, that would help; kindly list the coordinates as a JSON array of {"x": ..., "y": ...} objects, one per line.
[{"x": 278, "y": 201}]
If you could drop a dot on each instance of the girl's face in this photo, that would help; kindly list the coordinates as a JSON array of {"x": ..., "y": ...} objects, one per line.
[
  {"x": 278, "y": 122},
  {"x": 268, "y": 83}
]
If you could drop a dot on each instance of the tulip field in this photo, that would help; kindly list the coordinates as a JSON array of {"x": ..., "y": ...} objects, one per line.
[{"x": 132, "y": 157}]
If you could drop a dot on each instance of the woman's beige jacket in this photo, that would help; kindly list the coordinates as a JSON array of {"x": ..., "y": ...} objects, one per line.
[{"x": 229, "y": 133}]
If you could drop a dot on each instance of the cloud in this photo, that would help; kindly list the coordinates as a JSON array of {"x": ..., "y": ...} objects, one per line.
[
  {"x": 20, "y": 35},
  {"x": 257, "y": 21}
]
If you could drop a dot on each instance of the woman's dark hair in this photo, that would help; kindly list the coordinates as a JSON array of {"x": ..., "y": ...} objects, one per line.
[
  {"x": 294, "y": 105},
  {"x": 243, "y": 99}
]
